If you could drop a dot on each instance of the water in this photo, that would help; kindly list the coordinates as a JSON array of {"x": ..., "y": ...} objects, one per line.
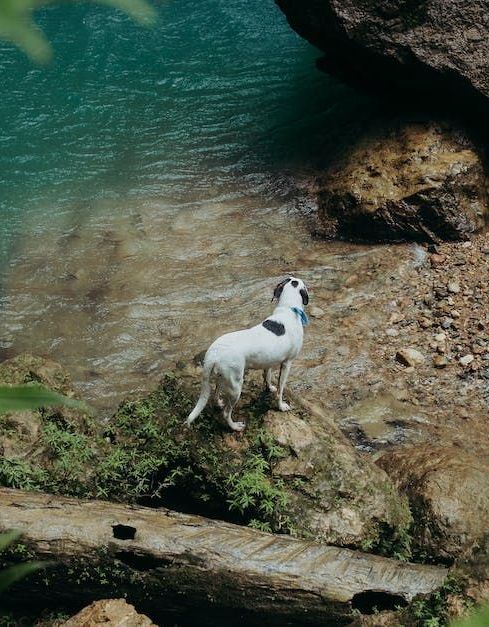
[{"x": 150, "y": 181}]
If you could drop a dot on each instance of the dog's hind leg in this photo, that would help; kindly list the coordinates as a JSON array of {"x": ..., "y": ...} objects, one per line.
[
  {"x": 232, "y": 392},
  {"x": 284, "y": 373},
  {"x": 267, "y": 379},
  {"x": 205, "y": 391},
  {"x": 217, "y": 395}
]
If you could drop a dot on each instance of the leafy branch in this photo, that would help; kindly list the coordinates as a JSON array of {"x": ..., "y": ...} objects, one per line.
[{"x": 17, "y": 24}]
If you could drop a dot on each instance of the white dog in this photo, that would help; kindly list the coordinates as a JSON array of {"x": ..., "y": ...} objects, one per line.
[{"x": 275, "y": 342}]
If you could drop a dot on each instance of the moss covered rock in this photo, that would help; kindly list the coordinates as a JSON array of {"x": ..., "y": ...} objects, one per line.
[
  {"x": 291, "y": 473},
  {"x": 449, "y": 495}
]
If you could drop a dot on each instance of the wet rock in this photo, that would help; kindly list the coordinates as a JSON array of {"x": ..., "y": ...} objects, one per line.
[
  {"x": 416, "y": 181},
  {"x": 335, "y": 495},
  {"x": 401, "y": 47},
  {"x": 449, "y": 496},
  {"x": 113, "y": 612},
  {"x": 410, "y": 357}
]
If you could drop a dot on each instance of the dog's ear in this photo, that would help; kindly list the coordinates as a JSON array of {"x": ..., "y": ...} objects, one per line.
[
  {"x": 277, "y": 292},
  {"x": 305, "y": 296}
]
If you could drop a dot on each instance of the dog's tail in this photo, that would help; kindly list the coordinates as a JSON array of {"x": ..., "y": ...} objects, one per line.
[{"x": 205, "y": 392}]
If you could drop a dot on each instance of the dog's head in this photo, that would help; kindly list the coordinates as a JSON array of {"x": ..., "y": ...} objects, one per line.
[{"x": 294, "y": 288}]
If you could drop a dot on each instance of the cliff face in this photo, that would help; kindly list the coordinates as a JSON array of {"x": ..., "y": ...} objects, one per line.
[{"x": 409, "y": 47}]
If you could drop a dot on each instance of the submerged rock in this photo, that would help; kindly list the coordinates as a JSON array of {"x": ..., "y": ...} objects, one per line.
[
  {"x": 449, "y": 495},
  {"x": 114, "y": 612},
  {"x": 416, "y": 181},
  {"x": 421, "y": 48}
]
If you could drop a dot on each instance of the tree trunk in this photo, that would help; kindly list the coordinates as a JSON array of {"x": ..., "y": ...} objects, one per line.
[{"x": 163, "y": 561}]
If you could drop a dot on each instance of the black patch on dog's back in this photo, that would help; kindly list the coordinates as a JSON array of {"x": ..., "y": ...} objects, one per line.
[
  {"x": 295, "y": 283},
  {"x": 274, "y": 326}
]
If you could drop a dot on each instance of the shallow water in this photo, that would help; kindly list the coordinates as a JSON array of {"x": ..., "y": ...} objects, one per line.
[{"x": 151, "y": 184}]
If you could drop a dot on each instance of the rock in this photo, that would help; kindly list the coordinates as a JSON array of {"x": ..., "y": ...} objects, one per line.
[
  {"x": 416, "y": 181},
  {"x": 453, "y": 287},
  {"x": 113, "y": 612},
  {"x": 316, "y": 312},
  {"x": 449, "y": 496},
  {"x": 21, "y": 432},
  {"x": 410, "y": 357},
  {"x": 339, "y": 496},
  {"x": 447, "y": 323},
  {"x": 439, "y": 361},
  {"x": 292, "y": 472},
  {"x": 466, "y": 360},
  {"x": 402, "y": 47}
]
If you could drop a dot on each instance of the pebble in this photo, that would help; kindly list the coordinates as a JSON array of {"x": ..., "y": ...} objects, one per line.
[
  {"x": 425, "y": 323},
  {"x": 396, "y": 318},
  {"x": 410, "y": 357},
  {"x": 316, "y": 312},
  {"x": 447, "y": 323},
  {"x": 437, "y": 260},
  {"x": 391, "y": 332},
  {"x": 466, "y": 360},
  {"x": 439, "y": 361},
  {"x": 453, "y": 287}
]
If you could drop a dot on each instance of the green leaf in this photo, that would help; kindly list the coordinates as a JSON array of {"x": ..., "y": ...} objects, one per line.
[
  {"x": 23, "y": 397},
  {"x": 479, "y": 619},
  {"x": 19, "y": 571},
  {"x": 17, "y": 24},
  {"x": 8, "y": 538}
]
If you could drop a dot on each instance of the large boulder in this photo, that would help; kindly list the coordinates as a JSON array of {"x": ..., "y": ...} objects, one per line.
[
  {"x": 415, "y": 47},
  {"x": 294, "y": 473},
  {"x": 448, "y": 490},
  {"x": 409, "y": 180},
  {"x": 334, "y": 494}
]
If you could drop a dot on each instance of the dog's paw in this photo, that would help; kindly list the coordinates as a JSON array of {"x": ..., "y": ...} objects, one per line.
[
  {"x": 272, "y": 388},
  {"x": 238, "y": 426},
  {"x": 284, "y": 406},
  {"x": 220, "y": 402},
  {"x": 187, "y": 424}
]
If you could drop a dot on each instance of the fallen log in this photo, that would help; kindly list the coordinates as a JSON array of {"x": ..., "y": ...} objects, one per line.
[{"x": 161, "y": 561}]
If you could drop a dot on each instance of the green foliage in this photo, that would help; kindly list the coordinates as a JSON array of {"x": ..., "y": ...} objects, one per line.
[
  {"x": 21, "y": 474},
  {"x": 17, "y": 24},
  {"x": 253, "y": 492},
  {"x": 146, "y": 455},
  {"x": 10, "y": 575},
  {"x": 480, "y": 618},
  {"x": 32, "y": 396},
  {"x": 433, "y": 611}
]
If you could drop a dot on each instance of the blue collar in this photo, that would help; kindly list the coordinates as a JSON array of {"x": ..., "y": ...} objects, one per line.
[{"x": 302, "y": 316}]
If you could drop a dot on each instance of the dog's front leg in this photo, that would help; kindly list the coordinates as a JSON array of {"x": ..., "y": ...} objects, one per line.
[
  {"x": 267, "y": 379},
  {"x": 284, "y": 373}
]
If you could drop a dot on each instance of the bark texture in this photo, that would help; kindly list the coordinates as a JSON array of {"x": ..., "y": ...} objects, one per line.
[{"x": 162, "y": 559}]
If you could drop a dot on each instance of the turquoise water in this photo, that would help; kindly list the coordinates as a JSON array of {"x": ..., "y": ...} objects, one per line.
[
  {"x": 220, "y": 95},
  {"x": 145, "y": 173}
]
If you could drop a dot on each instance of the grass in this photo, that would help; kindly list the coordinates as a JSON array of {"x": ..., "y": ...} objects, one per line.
[{"x": 145, "y": 456}]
